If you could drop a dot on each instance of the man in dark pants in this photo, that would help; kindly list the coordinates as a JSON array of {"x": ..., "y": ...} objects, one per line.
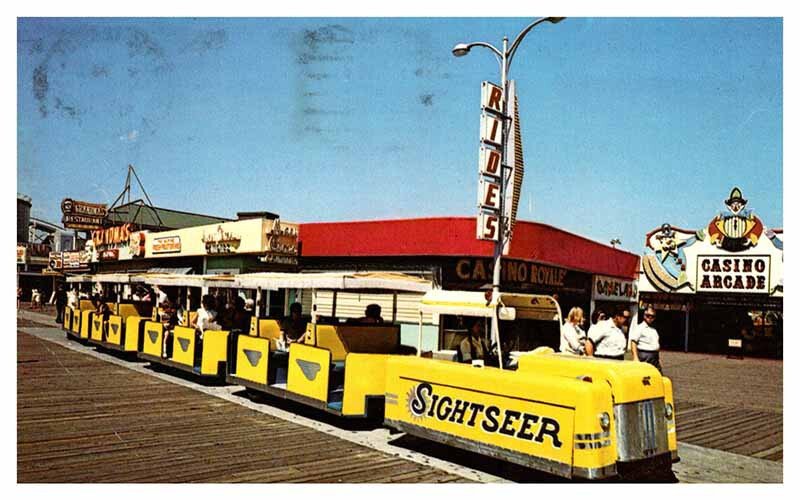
[
  {"x": 644, "y": 340},
  {"x": 61, "y": 303}
]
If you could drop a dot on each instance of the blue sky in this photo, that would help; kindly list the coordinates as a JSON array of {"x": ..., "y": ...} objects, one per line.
[{"x": 626, "y": 122}]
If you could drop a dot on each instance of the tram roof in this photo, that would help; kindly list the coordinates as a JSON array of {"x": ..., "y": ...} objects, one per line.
[
  {"x": 100, "y": 278},
  {"x": 335, "y": 281},
  {"x": 192, "y": 280},
  {"x": 526, "y": 306}
]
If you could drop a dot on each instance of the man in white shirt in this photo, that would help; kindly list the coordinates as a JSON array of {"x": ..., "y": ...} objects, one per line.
[
  {"x": 644, "y": 340},
  {"x": 608, "y": 341}
]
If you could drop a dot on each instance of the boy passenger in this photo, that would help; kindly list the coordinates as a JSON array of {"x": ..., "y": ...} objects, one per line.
[
  {"x": 474, "y": 346},
  {"x": 293, "y": 328},
  {"x": 169, "y": 318}
]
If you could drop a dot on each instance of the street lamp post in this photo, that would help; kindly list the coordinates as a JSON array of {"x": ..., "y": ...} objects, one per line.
[{"x": 505, "y": 57}]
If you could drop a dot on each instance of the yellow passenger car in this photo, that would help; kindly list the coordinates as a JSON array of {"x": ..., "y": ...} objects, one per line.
[
  {"x": 182, "y": 347},
  {"x": 566, "y": 415},
  {"x": 340, "y": 364}
]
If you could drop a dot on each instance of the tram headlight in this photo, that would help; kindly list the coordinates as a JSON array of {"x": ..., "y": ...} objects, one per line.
[
  {"x": 668, "y": 411},
  {"x": 605, "y": 421}
]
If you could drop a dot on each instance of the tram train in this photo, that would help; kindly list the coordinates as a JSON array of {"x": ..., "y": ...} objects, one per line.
[{"x": 570, "y": 416}]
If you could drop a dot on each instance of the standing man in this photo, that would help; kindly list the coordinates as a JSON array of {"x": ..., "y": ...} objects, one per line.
[
  {"x": 644, "y": 340},
  {"x": 608, "y": 341},
  {"x": 61, "y": 303}
]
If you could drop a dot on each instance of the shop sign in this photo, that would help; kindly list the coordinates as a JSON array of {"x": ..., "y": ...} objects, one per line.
[
  {"x": 37, "y": 249},
  {"x": 112, "y": 236},
  {"x": 167, "y": 244},
  {"x": 717, "y": 273},
  {"x": 515, "y": 274},
  {"x": 76, "y": 260},
  {"x": 281, "y": 243},
  {"x": 220, "y": 241},
  {"x": 108, "y": 254},
  {"x": 82, "y": 215},
  {"x": 22, "y": 254},
  {"x": 136, "y": 243},
  {"x": 55, "y": 262},
  {"x": 614, "y": 289}
]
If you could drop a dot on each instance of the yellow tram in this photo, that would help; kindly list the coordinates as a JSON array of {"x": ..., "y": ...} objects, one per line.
[
  {"x": 576, "y": 417},
  {"x": 566, "y": 415},
  {"x": 341, "y": 364}
]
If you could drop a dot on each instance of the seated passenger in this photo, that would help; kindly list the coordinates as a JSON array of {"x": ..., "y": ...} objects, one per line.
[
  {"x": 474, "y": 346},
  {"x": 293, "y": 328},
  {"x": 102, "y": 310},
  {"x": 206, "y": 318},
  {"x": 169, "y": 318},
  {"x": 372, "y": 314},
  {"x": 239, "y": 318}
]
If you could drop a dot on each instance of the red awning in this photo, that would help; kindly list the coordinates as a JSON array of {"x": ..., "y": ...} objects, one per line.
[{"x": 455, "y": 236}]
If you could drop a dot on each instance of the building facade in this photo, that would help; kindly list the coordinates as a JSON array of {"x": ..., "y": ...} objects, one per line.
[
  {"x": 720, "y": 287},
  {"x": 542, "y": 259}
]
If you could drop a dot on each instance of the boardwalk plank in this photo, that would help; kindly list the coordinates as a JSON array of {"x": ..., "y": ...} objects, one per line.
[{"x": 81, "y": 419}]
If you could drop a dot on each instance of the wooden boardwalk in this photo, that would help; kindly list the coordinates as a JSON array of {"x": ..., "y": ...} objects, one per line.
[
  {"x": 734, "y": 429},
  {"x": 80, "y": 419}
]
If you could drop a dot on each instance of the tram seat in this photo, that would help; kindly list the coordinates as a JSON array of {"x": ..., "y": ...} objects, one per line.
[
  {"x": 328, "y": 338},
  {"x": 343, "y": 339},
  {"x": 192, "y": 317},
  {"x": 86, "y": 304},
  {"x": 446, "y": 355},
  {"x": 112, "y": 306},
  {"x": 270, "y": 329},
  {"x": 451, "y": 339},
  {"x": 373, "y": 339},
  {"x": 127, "y": 310}
]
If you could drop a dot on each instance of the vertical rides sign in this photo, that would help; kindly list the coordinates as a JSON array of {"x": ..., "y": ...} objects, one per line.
[{"x": 493, "y": 169}]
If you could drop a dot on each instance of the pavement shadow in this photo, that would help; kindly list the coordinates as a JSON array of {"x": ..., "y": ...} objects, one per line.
[
  {"x": 311, "y": 413},
  {"x": 488, "y": 465}
]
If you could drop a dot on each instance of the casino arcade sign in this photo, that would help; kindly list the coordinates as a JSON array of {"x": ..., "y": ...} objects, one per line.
[{"x": 733, "y": 254}]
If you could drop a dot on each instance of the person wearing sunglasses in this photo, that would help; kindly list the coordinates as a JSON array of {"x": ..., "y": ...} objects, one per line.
[{"x": 644, "y": 340}]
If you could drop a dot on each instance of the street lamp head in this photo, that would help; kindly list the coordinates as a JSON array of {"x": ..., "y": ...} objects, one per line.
[
  {"x": 555, "y": 20},
  {"x": 461, "y": 49}
]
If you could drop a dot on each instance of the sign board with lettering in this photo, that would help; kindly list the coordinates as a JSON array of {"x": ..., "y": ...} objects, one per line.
[
  {"x": 733, "y": 274},
  {"x": 491, "y": 129},
  {"x": 614, "y": 289},
  {"x": 471, "y": 273},
  {"x": 489, "y": 195},
  {"x": 72, "y": 261},
  {"x": 736, "y": 254},
  {"x": 488, "y": 226},
  {"x": 491, "y": 97},
  {"x": 82, "y": 214},
  {"x": 281, "y": 243},
  {"x": 272, "y": 240},
  {"x": 166, "y": 244},
  {"x": 490, "y": 162}
]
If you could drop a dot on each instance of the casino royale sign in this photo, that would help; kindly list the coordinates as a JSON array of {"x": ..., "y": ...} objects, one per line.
[
  {"x": 515, "y": 274},
  {"x": 490, "y": 419},
  {"x": 733, "y": 274}
]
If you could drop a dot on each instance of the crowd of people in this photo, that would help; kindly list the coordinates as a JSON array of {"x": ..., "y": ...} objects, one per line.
[{"x": 605, "y": 337}]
